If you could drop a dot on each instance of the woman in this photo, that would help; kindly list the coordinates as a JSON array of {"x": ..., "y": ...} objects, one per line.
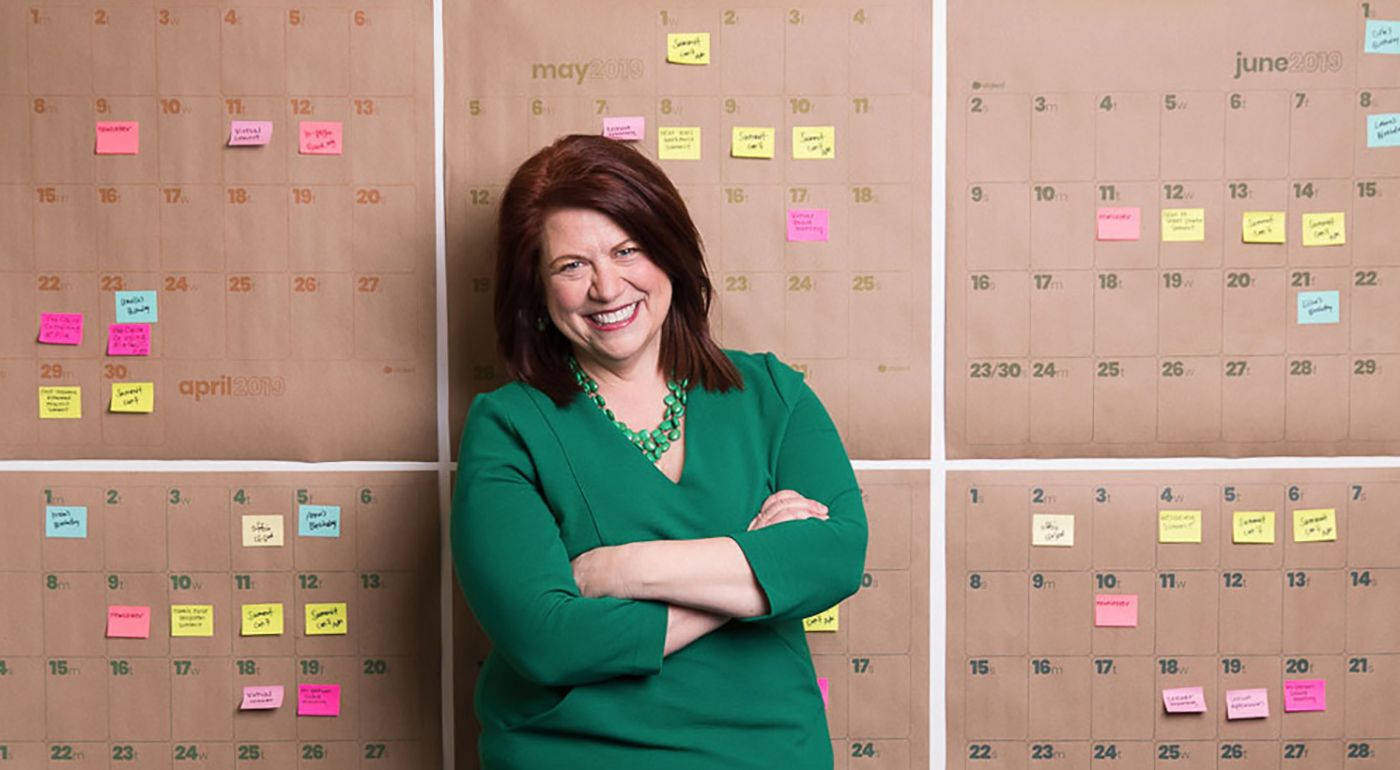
[{"x": 643, "y": 590}]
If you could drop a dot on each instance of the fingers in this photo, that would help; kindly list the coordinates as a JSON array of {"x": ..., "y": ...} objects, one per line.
[
  {"x": 791, "y": 508},
  {"x": 785, "y": 496}
]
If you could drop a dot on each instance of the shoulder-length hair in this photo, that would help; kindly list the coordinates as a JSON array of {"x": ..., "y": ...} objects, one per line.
[{"x": 612, "y": 178}]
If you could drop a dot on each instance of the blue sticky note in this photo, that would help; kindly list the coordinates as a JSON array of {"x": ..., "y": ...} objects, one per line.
[
  {"x": 69, "y": 521},
  {"x": 136, "y": 307},
  {"x": 1382, "y": 36},
  {"x": 318, "y": 520},
  {"x": 1319, "y": 307},
  {"x": 1383, "y": 130}
]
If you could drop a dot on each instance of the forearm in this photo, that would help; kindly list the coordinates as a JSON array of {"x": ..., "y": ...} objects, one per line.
[
  {"x": 709, "y": 574},
  {"x": 684, "y": 625}
]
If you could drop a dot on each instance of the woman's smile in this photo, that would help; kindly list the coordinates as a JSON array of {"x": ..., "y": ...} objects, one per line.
[{"x": 610, "y": 320}]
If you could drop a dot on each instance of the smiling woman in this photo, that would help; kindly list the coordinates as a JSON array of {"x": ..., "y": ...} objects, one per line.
[{"x": 643, "y": 588}]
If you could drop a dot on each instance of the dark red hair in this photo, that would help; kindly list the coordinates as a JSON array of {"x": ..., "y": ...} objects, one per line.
[{"x": 612, "y": 178}]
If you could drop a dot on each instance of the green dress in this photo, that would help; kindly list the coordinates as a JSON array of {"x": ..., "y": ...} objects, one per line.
[{"x": 580, "y": 683}]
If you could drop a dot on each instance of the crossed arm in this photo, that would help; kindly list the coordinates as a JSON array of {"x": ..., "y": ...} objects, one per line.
[{"x": 703, "y": 582}]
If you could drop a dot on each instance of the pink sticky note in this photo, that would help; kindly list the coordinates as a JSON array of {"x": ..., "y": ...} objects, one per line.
[
  {"x": 118, "y": 137},
  {"x": 318, "y": 700},
  {"x": 1247, "y": 704},
  {"x": 825, "y": 685},
  {"x": 808, "y": 224},
  {"x": 1120, "y": 224},
  {"x": 129, "y": 340},
  {"x": 128, "y": 622},
  {"x": 1305, "y": 695},
  {"x": 1184, "y": 700},
  {"x": 1116, "y": 610},
  {"x": 267, "y": 696},
  {"x": 625, "y": 129},
  {"x": 61, "y": 328},
  {"x": 321, "y": 138},
  {"x": 245, "y": 133}
]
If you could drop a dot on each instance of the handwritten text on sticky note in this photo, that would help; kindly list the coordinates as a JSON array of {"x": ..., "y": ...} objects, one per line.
[
  {"x": 60, "y": 402},
  {"x": 1305, "y": 695},
  {"x": 318, "y": 700},
  {"x": 1052, "y": 529},
  {"x": 1383, "y": 130},
  {"x": 249, "y": 133},
  {"x": 191, "y": 620},
  {"x": 136, "y": 307},
  {"x": 133, "y": 397},
  {"x": 752, "y": 142},
  {"x": 808, "y": 225},
  {"x": 1247, "y": 704},
  {"x": 1325, "y": 229},
  {"x": 813, "y": 142},
  {"x": 330, "y": 619},
  {"x": 129, "y": 340},
  {"x": 118, "y": 137},
  {"x": 1116, "y": 610},
  {"x": 1183, "y": 225},
  {"x": 678, "y": 142},
  {"x": 688, "y": 47},
  {"x": 628, "y": 129},
  {"x": 128, "y": 622},
  {"x": 61, "y": 328},
  {"x": 258, "y": 697},
  {"x": 321, "y": 137},
  {"x": 261, "y": 620},
  {"x": 1319, "y": 307},
  {"x": 68, "y": 521},
  {"x": 318, "y": 520},
  {"x": 1178, "y": 526},
  {"x": 1263, "y": 227},
  {"x": 829, "y": 620},
  {"x": 1253, "y": 527},
  {"x": 1382, "y": 36},
  {"x": 1315, "y": 525},
  {"x": 262, "y": 531},
  {"x": 1119, "y": 223},
  {"x": 1184, "y": 700}
]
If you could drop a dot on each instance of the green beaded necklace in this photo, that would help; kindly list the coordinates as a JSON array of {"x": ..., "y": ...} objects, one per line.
[{"x": 652, "y": 443}]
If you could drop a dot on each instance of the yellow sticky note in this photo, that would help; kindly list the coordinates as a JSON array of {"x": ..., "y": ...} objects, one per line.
[
  {"x": 1052, "y": 529},
  {"x": 191, "y": 620},
  {"x": 327, "y": 619},
  {"x": 688, "y": 47},
  {"x": 1178, "y": 526},
  {"x": 678, "y": 142},
  {"x": 752, "y": 142},
  {"x": 1183, "y": 225},
  {"x": 262, "y": 620},
  {"x": 60, "y": 403},
  {"x": 1329, "y": 229},
  {"x": 813, "y": 142},
  {"x": 1265, "y": 227},
  {"x": 137, "y": 397},
  {"x": 1254, "y": 527},
  {"x": 1314, "y": 525},
  {"x": 262, "y": 531},
  {"x": 823, "y": 621}
]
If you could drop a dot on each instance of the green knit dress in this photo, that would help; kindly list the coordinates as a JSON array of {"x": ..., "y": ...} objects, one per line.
[{"x": 576, "y": 683}]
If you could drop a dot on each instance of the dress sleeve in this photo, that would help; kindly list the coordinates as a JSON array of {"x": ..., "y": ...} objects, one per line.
[
  {"x": 807, "y": 566},
  {"x": 516, "y": 575}
]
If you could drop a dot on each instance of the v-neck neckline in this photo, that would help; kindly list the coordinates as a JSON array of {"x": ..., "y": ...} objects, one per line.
[{"x": 620, "y": 441}]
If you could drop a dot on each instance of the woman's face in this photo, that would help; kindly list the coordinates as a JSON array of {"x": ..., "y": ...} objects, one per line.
[{"x": 606, "y": 296}]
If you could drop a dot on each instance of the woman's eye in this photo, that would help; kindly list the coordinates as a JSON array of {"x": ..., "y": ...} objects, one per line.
[
  {"x": 570, "y": 266},
  {"x": 629, "y": 251}
]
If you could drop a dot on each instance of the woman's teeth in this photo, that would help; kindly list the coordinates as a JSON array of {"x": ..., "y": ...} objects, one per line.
[{"x": 616, "y": 316}]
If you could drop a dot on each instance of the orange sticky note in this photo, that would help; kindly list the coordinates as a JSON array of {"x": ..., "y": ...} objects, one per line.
[
  {"x": 319, "y": 137},
  {"x": 118, "y": 137}
]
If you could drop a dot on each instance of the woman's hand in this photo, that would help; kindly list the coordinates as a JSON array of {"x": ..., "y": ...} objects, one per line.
[
  {"x": 600, "y": 572},
  {"x": 786, "y": 505}
]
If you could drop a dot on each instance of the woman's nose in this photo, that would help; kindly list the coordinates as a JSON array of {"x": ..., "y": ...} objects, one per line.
[{"x": 607, "y": 281}]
